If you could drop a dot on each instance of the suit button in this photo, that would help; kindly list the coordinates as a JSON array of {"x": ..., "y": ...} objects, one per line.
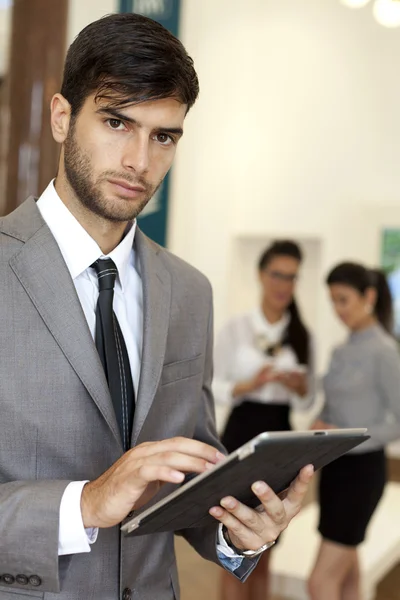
[
  {"x": 127, "y": 594},
  {"x": 35, "y": 580},
  {"x": 22, "y": 579},
  {"x": 8, "y": 579}
]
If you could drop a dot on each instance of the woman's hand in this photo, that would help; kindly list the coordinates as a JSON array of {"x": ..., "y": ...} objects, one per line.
[
  {"x": 265, "y": 375},
  {"x": 293, "y": 381}
]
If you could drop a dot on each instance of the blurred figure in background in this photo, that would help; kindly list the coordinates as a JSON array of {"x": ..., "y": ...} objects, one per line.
[
  {"x": 362, "y": 389},
  {"x": 263, "y": 366}
]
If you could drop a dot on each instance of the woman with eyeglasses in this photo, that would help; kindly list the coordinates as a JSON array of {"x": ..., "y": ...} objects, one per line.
[
  {"x": 263, "y": 367},
  {"x": 362, "y": 389}
]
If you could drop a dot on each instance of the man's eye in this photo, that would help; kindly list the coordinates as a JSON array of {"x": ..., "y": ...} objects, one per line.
[
  {"x": 164, "y": 139},
  {"x": 115, "y": 124}
]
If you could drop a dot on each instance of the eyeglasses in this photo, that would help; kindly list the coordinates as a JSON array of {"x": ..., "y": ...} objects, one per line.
[{"x": 279, "y": 276}]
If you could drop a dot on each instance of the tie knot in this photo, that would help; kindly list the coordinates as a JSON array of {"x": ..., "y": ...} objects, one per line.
[{"x": 106, "y": 273}]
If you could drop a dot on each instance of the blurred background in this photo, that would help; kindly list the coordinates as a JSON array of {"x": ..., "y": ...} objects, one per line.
[{"x": 296, "y": 134}]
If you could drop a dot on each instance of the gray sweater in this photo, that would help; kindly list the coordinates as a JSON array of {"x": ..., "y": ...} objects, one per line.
[{"x": 362, "y": 387}]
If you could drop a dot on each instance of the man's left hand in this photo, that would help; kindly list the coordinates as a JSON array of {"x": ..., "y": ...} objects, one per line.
[{"x": 250, "y": 529}]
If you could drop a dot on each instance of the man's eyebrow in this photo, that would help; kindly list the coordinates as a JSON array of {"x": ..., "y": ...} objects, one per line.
[
  {"x": 172, "y": 130},
  {"x": 116, "y": 114}
]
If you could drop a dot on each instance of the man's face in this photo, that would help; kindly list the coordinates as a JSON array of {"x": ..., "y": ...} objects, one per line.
[{"x": 115, "y": 159}]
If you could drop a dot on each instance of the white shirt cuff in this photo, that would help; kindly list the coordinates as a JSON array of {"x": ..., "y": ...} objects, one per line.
[
  {"x": 223, "y": 546},
  {"x": 73, "y": 538}
]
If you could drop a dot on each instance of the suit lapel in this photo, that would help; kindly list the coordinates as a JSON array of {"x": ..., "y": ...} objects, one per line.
[
  {"x": 42, "y": 272},
  {"x": 156, "y": 282}
]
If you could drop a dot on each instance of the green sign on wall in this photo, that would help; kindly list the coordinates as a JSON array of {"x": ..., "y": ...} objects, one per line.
[
  {"x": 390, "y": 263},
  {"x": 153, "y": 220}
]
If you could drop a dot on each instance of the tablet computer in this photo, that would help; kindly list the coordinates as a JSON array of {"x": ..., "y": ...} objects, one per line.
[{"x": 275, "y": 458}]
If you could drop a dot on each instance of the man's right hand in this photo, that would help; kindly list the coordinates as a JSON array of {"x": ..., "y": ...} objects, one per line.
[{"x": 138, "y": 475}]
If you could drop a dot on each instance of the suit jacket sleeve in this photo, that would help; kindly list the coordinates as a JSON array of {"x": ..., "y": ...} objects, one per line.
[
  {"x": 29, "y": 521},
  {"x": 204, "y": 539}
]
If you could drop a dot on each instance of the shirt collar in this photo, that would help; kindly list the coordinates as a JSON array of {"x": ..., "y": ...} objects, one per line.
[
  {"x": 77, "y": 247},
  {"x": 262, "y": 325}
]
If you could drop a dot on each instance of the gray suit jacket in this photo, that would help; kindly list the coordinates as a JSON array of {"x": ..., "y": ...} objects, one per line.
[{"x": 57, "y": 422}]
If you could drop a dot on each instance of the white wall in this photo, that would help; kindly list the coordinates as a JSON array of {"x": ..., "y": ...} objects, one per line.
[
  {"x": 296, "y": 132},
  {"x": 81, "y": 13}
]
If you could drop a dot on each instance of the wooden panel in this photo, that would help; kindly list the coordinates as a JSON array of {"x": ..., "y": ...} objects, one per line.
[{"x": 38, "y": 45}]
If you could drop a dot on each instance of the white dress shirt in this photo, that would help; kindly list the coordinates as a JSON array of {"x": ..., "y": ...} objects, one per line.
[
  {"x": 240, "y": 354},
  {"x": 79, "y": 251}
]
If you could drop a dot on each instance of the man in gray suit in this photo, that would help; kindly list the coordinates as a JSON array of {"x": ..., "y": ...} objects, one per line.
[{"x": 106, "y": 345}]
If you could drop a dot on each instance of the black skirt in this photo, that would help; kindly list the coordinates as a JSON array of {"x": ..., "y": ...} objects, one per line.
[
  {"x": 349, "y": 491},
  {"x": 249, "y": 419}
]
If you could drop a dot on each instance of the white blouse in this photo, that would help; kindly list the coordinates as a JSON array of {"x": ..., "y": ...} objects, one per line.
[{"x": 239, "y": 355}]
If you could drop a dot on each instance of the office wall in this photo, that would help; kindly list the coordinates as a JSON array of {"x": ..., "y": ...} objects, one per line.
[
  {"x": 296, "y": 132},
  {"x": 81, "y": 13}
]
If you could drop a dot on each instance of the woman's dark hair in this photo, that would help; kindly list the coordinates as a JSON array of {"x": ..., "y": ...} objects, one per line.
[
  {"x": 360, "y": 278},
  {"x": 126, "y": 59},
  {"x": 296, "y": 334}
]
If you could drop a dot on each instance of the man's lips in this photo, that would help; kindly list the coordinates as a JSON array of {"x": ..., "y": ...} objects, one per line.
[{"x": 127, "y": 188}]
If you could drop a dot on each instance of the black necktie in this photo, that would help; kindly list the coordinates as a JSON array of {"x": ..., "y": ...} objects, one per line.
[{"x": 112, "y": 350}]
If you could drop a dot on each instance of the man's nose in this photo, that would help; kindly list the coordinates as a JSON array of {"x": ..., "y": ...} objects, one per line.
[{"x": 136, "y": 156}]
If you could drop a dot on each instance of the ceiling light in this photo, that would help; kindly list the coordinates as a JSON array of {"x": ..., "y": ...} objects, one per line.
[{"x": 387, "y": 12}]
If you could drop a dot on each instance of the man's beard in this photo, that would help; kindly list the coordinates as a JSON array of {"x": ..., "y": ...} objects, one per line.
[{"x": 78, "y": 170}]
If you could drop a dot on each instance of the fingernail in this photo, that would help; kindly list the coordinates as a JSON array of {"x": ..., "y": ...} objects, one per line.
[
  {"x": 259, "y": 487},
  {"x": 216, "y": 511},
  {"x": 228, "y": 502},
  {"x": 220, "y": 456},
  {"x": 209, "y": 466},
  {"x": 177, "y": 476}
]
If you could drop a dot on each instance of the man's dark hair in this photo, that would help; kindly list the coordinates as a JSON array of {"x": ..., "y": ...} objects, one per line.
[{"x": 127, "y": 59}]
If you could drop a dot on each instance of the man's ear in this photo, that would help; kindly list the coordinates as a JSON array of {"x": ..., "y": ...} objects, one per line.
[{"x": 60, "y": 119}]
